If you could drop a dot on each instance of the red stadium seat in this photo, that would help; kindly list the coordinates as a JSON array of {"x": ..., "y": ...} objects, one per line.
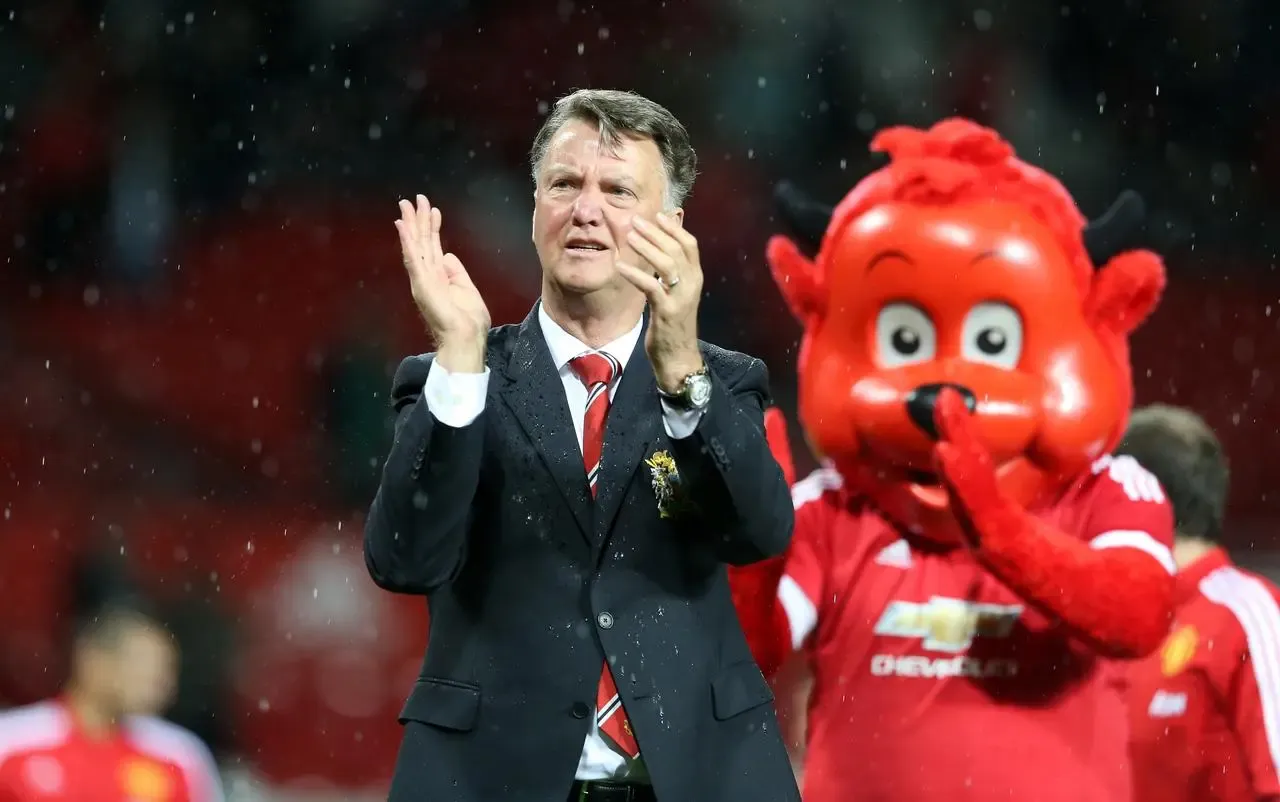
[
  {"x": 234, "y": 363},
  {"x": 41, "y": 533}
]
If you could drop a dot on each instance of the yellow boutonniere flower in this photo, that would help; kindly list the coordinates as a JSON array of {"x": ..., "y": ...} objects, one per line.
[{"x": 665, "y": 477}]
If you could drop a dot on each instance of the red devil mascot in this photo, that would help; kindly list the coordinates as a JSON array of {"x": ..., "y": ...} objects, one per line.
[{"x": 972, "y": 567}]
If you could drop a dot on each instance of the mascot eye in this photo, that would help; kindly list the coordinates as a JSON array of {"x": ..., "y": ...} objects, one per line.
[
  {"x": 993, "y": 335},
  {"x": 904, "y": 336}
]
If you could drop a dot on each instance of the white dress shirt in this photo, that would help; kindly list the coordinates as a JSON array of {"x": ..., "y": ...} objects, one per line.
[{"x": 457, "y": 399}]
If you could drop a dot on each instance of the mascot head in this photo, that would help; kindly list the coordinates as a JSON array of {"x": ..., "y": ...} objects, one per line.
[{"x": 958, "y": 265}]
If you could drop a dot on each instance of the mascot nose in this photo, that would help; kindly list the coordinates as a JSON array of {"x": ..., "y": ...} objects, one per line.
[{"x": 922, "y": 400}]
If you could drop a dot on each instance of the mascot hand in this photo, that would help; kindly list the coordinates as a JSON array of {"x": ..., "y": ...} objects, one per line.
[
  {"x": 965, "y": 467},
  {"x": 1117, "y": 600},
  {"x": 775, "y": 431}
]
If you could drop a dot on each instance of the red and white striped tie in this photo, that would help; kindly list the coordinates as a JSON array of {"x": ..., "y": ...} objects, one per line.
[{"x": 597, "y": 371}]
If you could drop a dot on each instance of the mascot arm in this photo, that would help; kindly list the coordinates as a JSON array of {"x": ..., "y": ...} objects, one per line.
[
  {"x": 775, "y": 433},
  {"x": 775, "y": 598},
  {"x": 726, "y": 470},
  {"x": 1115, "y": 591},
  {"x": 778, "y": 599},
  {"x": 1118, "y": 600},
  {"x": 761, "y": 614}
]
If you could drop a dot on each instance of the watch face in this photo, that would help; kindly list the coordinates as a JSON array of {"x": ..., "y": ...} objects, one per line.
[{"x": 699, "y": 390}]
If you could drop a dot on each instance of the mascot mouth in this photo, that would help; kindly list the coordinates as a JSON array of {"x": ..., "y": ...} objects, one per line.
[
  {"x": 927, "y": 488},
  {"x": 922, "y": 478}
]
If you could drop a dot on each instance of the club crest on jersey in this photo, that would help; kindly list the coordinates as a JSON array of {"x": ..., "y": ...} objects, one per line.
[
  {"x": 947, "y": 625},
  {"x": 1178, "y": 650},
  {"x": 145, "y": 781}
]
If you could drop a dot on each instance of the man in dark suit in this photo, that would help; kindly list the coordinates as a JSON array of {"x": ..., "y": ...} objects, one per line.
[{"x": 567, "y": 491}]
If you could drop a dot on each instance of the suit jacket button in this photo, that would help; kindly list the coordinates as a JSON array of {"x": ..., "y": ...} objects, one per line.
[
  {"x": 579, "y": 710},
  {"x": 605, "y": 620}
]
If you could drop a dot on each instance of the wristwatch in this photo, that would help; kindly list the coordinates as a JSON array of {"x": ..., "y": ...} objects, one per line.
[{"x": 694, "y": 393}]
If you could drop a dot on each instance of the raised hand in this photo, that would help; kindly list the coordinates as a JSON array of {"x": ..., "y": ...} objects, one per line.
[
  {"x": 672, "y": 281},
  {"x": 452, "y": 307},
  {"x": 965, "y": 467}
]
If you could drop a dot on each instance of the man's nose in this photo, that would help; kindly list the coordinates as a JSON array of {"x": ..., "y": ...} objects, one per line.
[
  {"x": 922, "y": 401},
  {"x": 587, "y": 208}
]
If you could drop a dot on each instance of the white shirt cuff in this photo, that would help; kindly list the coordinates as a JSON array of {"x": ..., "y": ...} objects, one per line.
[
  {"x": 679, "y": 423},
  {"x": 455, "y": 399}
]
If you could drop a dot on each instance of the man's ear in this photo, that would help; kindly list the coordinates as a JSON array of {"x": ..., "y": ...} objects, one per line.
[
  {"x": 533, "y": 220},
  {"x": 677, "y": 215}
]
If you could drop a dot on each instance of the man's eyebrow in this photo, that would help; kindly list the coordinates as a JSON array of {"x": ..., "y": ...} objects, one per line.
[{"x": 620, "y": 178}]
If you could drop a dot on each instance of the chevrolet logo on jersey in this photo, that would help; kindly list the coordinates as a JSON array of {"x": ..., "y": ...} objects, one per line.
[{"x": 947, "y": 625}]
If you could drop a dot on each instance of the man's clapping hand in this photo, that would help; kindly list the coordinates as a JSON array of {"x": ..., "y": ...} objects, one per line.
[
  {"x": 450, "y": 304},
  {"x": 672, "y": 282}
]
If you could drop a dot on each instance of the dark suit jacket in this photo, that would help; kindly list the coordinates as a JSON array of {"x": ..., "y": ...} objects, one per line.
[{"x": 530, "y": 584}]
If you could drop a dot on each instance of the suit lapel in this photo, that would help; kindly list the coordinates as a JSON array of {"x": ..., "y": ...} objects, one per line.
[
  {"x": 535, "y": 395},
  {"x": 635, "y": 421}
]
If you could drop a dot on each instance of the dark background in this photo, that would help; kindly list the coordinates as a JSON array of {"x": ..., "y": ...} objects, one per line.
[{"x": 202, "y": 300}]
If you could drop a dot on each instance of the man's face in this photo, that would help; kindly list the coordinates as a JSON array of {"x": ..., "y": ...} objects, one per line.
[
  {"x": 586, "y": 197},
  {"x": 144, "y": 670}
]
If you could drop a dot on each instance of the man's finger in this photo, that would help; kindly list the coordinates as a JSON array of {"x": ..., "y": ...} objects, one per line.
[
  {"x": 409, "y": 217},
  {"x": 434, "y": 251},
  {"x": 423, "y": 219},
  {"x": 454, "y": 270},
  {"x": 653, "y": 233},
  {"x": 643, "y": 281},
  {"x": 420, "y": 269},
  {"x": 661, "y": 261},
  {"x": 688, "y": 243},
  {"x": 407, "y": 249}
]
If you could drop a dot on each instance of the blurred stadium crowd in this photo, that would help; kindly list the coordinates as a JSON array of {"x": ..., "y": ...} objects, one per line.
[{"x": 202, "y": 299}]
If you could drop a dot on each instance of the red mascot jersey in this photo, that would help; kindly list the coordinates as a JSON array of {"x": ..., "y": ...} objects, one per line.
[
  {"x": 1206, "y": 708},
  {"x": 921, "y": 646},
  {"x": 967, "y": 576}
]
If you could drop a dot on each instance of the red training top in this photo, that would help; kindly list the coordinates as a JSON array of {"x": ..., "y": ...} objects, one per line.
[
  {"x": 46, "y": 756},
  {"x": 1205, "y": 709}
]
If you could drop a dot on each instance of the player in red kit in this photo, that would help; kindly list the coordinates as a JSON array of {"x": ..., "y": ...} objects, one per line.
[
  {"x": 1205, "y": 708},
  {"x": 100, "y": 740},
  {"x": 969, "y": 573}
]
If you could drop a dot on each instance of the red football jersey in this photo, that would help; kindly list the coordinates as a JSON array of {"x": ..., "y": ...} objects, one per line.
[
  {"x": 1205, "y": 709},
  {"x": 932, "y": 680},
  {"x": 46, "y": 757}
]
